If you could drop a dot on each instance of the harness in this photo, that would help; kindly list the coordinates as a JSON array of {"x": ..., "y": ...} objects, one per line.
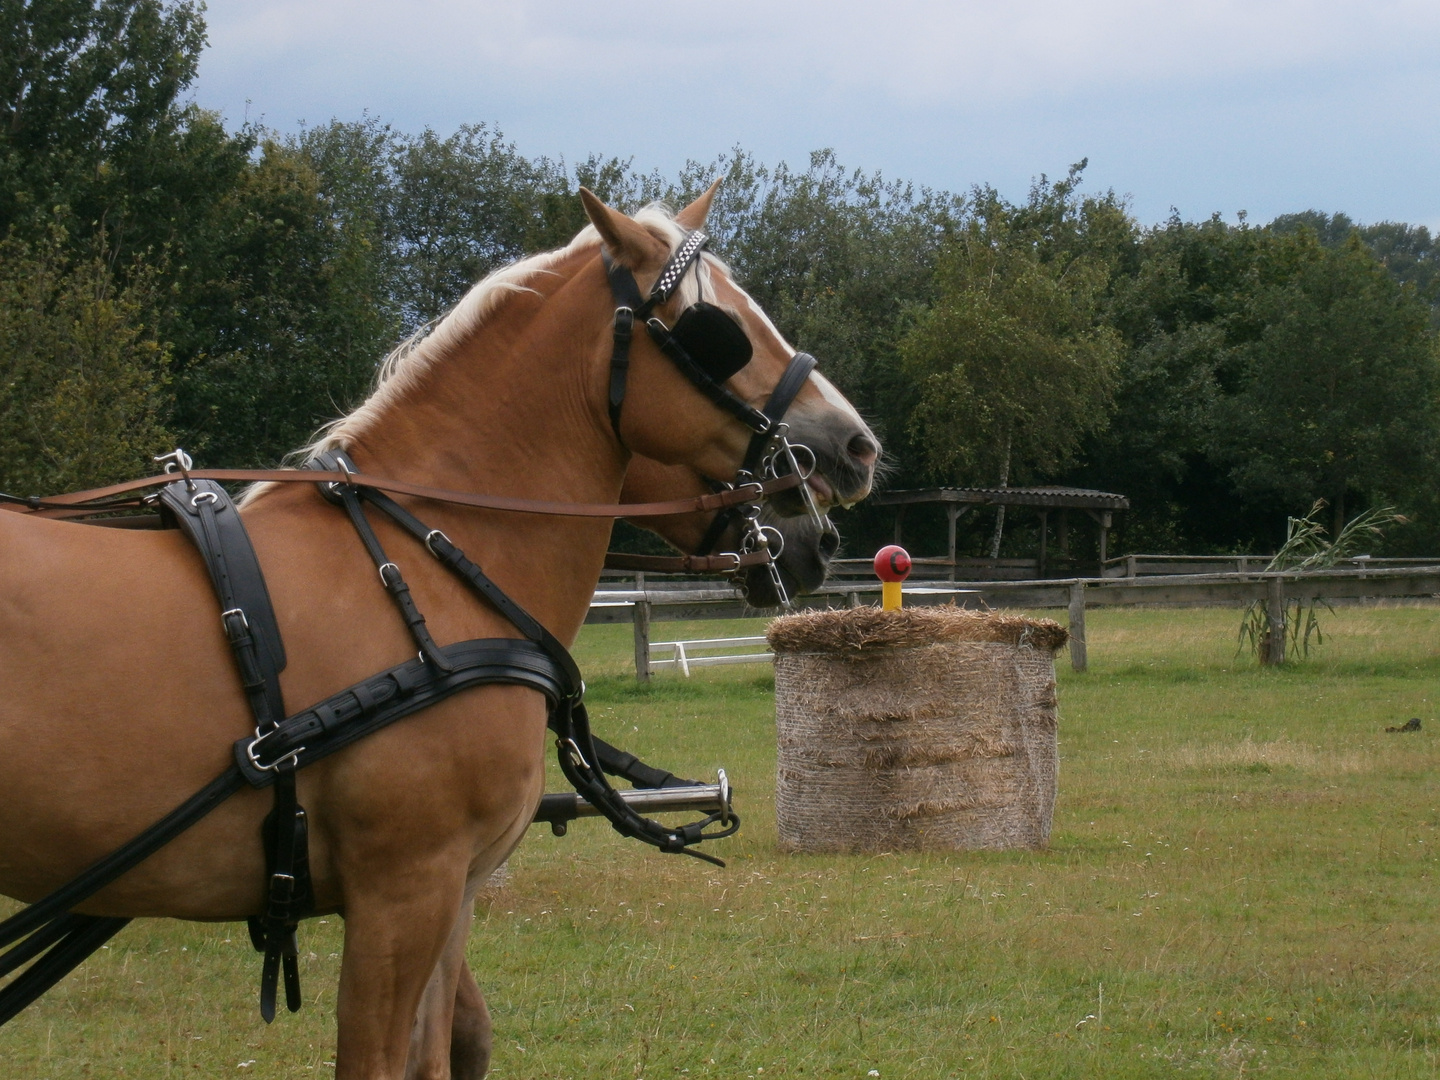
[{"x": 56, "y": 939}]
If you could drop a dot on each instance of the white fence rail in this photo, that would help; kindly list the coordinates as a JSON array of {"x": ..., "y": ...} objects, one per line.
[{"x": 684, "y": 653}]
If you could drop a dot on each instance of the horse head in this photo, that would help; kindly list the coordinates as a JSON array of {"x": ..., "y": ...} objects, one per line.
[
  {"x": 700, "y": 326},
  {"x": 710, "y": 331}
]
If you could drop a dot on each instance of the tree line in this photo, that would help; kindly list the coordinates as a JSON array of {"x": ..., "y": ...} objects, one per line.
[{"x": 166, "y": 280}]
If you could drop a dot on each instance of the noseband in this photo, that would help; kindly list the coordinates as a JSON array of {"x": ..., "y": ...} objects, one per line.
[{"x": 708, "y": 346}]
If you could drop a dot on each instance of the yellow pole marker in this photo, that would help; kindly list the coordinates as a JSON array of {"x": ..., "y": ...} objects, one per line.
[{"x": 892, "y": 566}]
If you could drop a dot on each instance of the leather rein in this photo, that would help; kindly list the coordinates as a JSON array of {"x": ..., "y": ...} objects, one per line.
[{"x": 107, "y": 500}]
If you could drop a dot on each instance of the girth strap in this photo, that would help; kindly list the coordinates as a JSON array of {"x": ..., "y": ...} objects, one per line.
[{"x": 377, "y": 702}]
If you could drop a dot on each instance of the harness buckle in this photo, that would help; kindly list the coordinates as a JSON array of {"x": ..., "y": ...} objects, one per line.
[
  {"x": 383, "y": 579},
  {"x": 430, "y": 541},
  {"x": 572, "y": 747},
  {"x": 293, "y": 757},
  {"x": 225, "y": 616}
]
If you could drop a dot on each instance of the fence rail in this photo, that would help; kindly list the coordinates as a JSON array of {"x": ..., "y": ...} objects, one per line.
[
  {"x": 1129, "y": 566},
  {"x": 640, "y": 607}
]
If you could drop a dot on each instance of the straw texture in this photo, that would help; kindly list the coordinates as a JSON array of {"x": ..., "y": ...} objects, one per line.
[{"x": 920, "y": 729}]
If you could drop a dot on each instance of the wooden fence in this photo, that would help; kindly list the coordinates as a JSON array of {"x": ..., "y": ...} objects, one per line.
[{"x": 1076, "y": 595}]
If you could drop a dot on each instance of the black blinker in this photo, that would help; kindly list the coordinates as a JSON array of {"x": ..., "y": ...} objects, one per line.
[{"x": 714, "y": 340}]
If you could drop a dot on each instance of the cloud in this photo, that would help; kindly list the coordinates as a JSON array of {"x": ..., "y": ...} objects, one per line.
[
  {"x": 912, "y": 52},
  {"x": 1268, "y": 105}
]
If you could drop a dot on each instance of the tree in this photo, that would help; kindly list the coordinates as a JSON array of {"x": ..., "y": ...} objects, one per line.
[
  {"x": 82, "y": 377},
  {"x": 1174, "y": 312},
  {"x": 285, "y": 314},
  {"x": 1014, "y": 362},
  {"x": 1409, "y": 252},
  {"x": 91, "y": 116},
  {"x": 1335, "y": 380}
]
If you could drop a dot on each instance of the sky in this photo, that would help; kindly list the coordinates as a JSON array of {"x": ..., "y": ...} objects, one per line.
[{"x": 1191, "y": 106}]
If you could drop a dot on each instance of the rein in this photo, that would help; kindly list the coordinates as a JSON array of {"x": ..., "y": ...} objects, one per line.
[{"x": 103, "y": 500}]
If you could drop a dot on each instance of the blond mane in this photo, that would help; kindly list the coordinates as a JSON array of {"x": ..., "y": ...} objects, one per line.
[{"x": 401, "y": 370}]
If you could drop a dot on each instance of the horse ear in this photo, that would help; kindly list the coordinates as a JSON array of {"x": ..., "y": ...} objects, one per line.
[
  {"x": 630, "y": 243},
  {"x": 694, "y": 215}
]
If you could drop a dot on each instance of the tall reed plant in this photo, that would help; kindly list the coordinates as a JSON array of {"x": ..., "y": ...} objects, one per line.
[{"x": 1307, "y": 548}]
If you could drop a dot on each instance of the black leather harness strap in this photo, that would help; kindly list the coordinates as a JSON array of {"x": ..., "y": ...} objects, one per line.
[{"x": 204, "y": 512}]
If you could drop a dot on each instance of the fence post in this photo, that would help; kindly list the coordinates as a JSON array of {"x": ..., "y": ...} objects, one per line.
[
  {"x": 641, "y": 615},
  {"x": 1077, "y": 626},
  {"x": 1274, "y": 650}
]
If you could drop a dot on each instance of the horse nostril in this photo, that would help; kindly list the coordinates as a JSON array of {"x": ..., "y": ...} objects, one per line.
[
  {"x": 863, "y": 449},
  {"x": 829, "y": 544}
]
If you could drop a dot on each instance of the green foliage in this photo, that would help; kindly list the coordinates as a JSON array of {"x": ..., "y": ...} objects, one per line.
[
  {"x": 1264, "y": 371},
  {"x": 281, "y": 311},
  {"x": 90, "y": 114},
  {"x": 1014, "y": 362},
  {"x": 82, "y": 378},
  {"x": 1334, "y": 379},
  {"x": 1408, "y": 252}
]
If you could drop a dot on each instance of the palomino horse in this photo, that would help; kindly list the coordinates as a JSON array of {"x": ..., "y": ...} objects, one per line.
[{"x": 121, "y": 696}]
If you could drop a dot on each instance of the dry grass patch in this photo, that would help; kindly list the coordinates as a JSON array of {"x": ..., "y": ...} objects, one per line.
[{"x": 1250, "y": 756}]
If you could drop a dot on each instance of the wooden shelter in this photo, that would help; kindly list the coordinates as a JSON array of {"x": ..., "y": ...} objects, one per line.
[{"x": 1097, "y": 505}]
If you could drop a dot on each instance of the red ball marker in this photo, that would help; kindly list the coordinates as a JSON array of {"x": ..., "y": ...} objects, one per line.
[{"x": 892, "y": 566}]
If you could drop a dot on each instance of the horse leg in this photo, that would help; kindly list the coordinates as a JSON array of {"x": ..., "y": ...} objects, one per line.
[
  {"x": 451, "y": 1038},
  {"x": 470, "y": 1032},
  {"x": 393, "y": 945}
]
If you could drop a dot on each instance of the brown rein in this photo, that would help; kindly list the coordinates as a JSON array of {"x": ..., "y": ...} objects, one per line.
[{"x": 104, "y": 500}]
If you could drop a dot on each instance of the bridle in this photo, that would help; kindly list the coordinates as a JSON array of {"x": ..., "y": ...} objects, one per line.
[{"x": 708, "y": 346}]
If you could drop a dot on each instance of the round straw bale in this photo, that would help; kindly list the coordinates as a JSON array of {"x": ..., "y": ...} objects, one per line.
[{"x": 924, "y": 728}]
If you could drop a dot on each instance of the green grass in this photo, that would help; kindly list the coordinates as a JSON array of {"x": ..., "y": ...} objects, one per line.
[{"x": 1242, "y": 868}]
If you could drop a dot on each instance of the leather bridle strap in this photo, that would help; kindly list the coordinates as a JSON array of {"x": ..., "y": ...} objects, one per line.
[
  {"x": 781, "y": 398},
  {"x": 630, "y": 305},
  {"x": 105, "y": 499}
]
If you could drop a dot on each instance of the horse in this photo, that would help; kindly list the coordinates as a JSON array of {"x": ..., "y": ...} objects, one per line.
[{"x": 121, "y": 693}]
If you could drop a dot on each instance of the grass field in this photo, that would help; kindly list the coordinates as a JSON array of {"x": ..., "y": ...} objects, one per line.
[{"x": 1241, "y": 880}]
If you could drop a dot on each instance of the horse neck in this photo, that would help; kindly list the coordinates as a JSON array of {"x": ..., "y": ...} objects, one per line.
[{"x": 510, "y": 410}]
